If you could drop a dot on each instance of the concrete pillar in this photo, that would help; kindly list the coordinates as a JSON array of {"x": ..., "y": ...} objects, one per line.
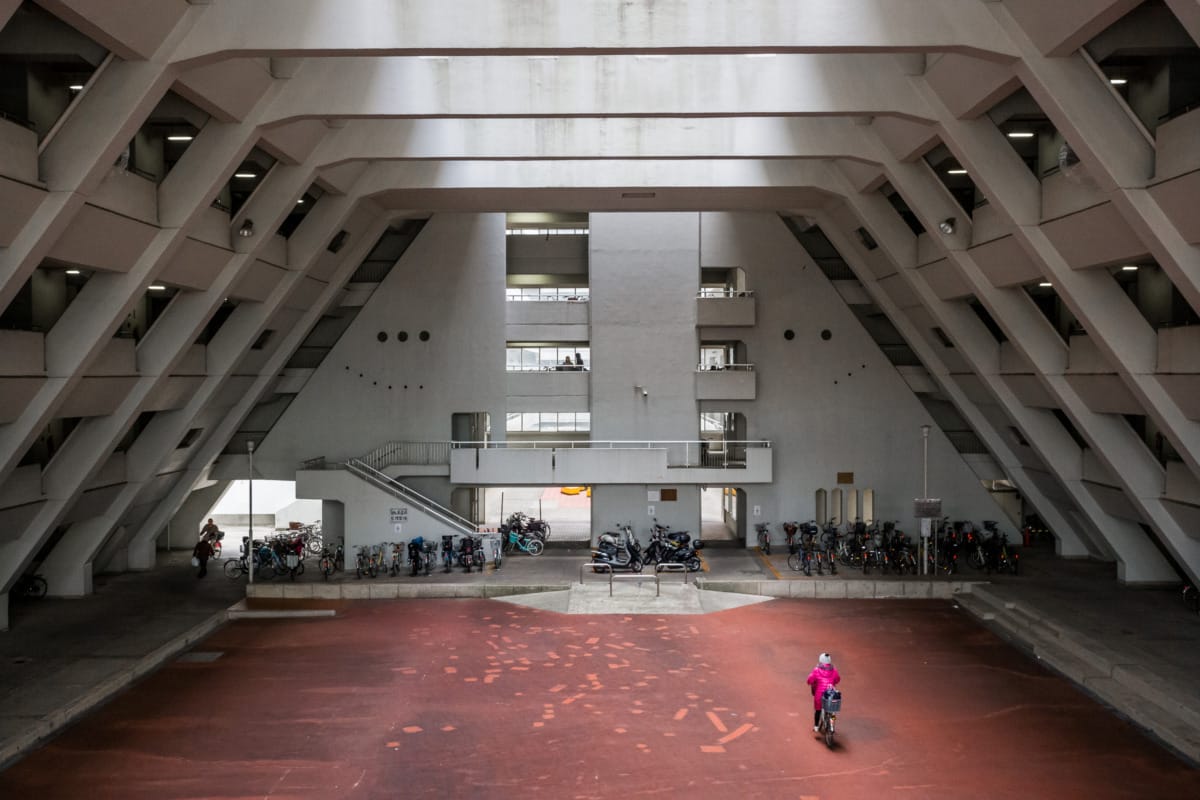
[
  {"x": 142, "y": 554},
  {"x": 68, "y": 568}
]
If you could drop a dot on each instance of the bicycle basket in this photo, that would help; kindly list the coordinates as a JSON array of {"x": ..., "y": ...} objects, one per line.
[{"x": 831, "y": 701}]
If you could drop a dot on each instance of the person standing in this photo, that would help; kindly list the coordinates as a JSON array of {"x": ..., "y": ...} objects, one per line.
[
  {"x": 201, "y": 553},
  {"x": 824, "y": 676}
]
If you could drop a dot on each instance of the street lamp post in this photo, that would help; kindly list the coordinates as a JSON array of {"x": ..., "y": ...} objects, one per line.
[
  {"x": 250, "y": 536},
  {"x": 926, "y": 524}
]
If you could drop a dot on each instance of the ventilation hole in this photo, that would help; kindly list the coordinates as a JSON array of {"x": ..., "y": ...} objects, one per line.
[
  {"x": 422, "y": 386},
  {"x": 389, "y": 387},
  {"x": 402, "y": 336},
  {"x": 406, "y": 386},
  {"x": 374, "y": 383},
  {"x": 424, "y": 336},
  {"x": 381, "y": 336},
  {"x": 789, "y": 334},
  {"x": 826, "y": 335},
  {"x": 360, "y": 374}
]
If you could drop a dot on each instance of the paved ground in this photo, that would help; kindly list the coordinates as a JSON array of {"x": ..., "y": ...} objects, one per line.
[{"x": 444, "y": 698}]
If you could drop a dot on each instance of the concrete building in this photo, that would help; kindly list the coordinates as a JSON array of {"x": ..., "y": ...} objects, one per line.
[{"x": 316, "y": 225}]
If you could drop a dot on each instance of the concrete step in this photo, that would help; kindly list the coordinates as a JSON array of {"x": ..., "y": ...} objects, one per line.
[{"x": 1161, "y": 722}]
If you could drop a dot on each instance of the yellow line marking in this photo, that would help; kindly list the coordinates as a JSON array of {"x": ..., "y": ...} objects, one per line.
[
  {"x": 770, "y": 566},
  {"x": 703, "y": 563}
]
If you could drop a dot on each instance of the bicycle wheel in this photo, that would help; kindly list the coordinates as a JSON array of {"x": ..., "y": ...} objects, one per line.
[
  {"x": 764, "y": 544},
  {"x": 829, "y": 735},
  {"x": 975, "y": 559},
  {"x": 234, "y": 568},
  {"x": 636, "y": 565},
  {"x": 795, "y": 562},
  {"x": 535, "y": 547},
  {"x": 326, "y": 567},
  {"x": 36, "y": 587},
  {"x": 497, "y": 558}
]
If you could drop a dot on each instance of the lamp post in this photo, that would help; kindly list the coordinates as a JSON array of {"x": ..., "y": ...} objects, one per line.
[
  {"x": 926, "y": 524},
  {"x": 250, "y": 536}
]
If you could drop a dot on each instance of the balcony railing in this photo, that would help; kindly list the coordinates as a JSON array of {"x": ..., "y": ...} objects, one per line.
[
  {"x": 719, "y": 293},
  {"x": 724, "y": 368},
  {"x": 680, "y": 453},
  {"x": 408, "y": 454}
]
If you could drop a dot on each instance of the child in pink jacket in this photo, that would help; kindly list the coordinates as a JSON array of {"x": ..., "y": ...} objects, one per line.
[{"x": 823, "y": 676}]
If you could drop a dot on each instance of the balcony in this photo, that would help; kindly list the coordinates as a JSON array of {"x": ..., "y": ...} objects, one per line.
[
  {"x": 574, "y": 463},
  {"x": 728, "y": 382},
  {"x": 550, "y": 383},
  {"x": 725, "y": 309}
]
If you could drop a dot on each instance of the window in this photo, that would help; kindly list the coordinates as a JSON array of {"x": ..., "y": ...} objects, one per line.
[
  {"x": 559, "y": 294},
  {"x": 538, "y": 358},
  {"x": 549, "y": 422}
]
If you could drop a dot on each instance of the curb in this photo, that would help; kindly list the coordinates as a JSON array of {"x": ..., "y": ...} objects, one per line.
[
  {"x": 394, "y": 591},
  {"x": 843, "y": 589},
  {"x": 49, "y": 725}
]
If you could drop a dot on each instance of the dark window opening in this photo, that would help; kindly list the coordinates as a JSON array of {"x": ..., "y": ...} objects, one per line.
[
  {"x": 189, "y": 438},
  {"x": 906, "y": 213},
  {"x": 262, "y": 340},
  {"x": 1069, "y": 428},
  {"x": 134, "y": 431},
  {"x": 942, "y": 337},
  {"x": 988, "y": 321},
  {"x": 216, "y": 321}
]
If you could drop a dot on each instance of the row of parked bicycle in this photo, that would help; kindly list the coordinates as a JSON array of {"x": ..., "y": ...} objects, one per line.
[
  {"x": 419, "y": 555},
  {"x": 886, "y": 548},
  {"x": 277, "y": 556}
]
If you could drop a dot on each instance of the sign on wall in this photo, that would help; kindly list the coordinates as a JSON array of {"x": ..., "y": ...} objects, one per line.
[{"x": 396, "y": 515}]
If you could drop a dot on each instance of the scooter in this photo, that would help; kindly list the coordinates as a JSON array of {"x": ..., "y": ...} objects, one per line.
[{"x": 619, "y": 550}]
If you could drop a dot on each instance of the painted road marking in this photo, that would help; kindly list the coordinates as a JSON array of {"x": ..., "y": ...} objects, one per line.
[
  {"x": 770, "y": 566},
  {"x": 680, "y": 714},
  {"x": 716, "y": 721},
  {"x": 741, "y": 730}
]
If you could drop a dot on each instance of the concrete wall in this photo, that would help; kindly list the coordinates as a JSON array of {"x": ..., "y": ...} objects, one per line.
[{"x": 828, "y": 406}]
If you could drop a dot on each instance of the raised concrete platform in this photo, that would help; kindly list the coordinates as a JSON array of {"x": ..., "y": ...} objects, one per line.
[
  {"x": 839, "y": 588},
  {"x": 634, "y": 598},
  {"x": 1124, "y": 680},
  {"x": 392, "y": 590}
]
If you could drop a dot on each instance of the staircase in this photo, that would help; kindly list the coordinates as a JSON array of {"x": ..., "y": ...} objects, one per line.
[{"x": 459, "y": 524}]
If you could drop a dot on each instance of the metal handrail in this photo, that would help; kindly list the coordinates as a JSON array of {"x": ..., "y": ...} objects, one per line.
[
  {"x": 607, "y": 444},
  {"x": 672, "y": 566},
  {"x": 721, "y": 294},
  {"x": 724, "y": 368},
  {"x": 422, "y": 502},
  {"x": 410, "y": 453},
  {"x": 634, "y": 576}
]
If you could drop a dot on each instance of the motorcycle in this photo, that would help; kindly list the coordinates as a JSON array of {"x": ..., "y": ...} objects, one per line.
[
  {"x": 619, "y": 550},
  {"x": 674, "y": 547},
  {"x": 417, "y": 558},
  {"x": 470, "y": 552}
]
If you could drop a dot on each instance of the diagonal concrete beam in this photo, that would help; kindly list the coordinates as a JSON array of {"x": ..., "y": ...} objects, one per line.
[{"x": 368, "y": 225}]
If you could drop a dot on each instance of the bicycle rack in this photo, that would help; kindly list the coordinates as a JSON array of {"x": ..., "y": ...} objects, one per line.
[
  {"x": 595, "y": 567},
  {"x": 634, "y": 576},
  {"x": 672, "y": 566}
]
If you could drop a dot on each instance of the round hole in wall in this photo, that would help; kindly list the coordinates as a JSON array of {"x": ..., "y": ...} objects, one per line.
[
  {"x": 424, "y": 336},
  {"x": 406, "y": 386},
  {"x": 826, "y": 335},
  {"x": 347, "y": 368},
  {"x": 381, "y": 336},
  {"x": 374, "y": 383},
  {"x": 389, "y": 387},
  {"x": 422, "y": 386},
  {"x": 789, "y": 334},
  {"x": 402, "y": 336},
  {"x": 360, "y": 374}
]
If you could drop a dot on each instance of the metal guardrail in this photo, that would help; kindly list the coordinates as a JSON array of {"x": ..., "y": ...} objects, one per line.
[
  {"x": 724, "y": 368},
  {"x": 673, "y": 566},
  {"x": 407, "y": 453},
  {"x": 695, "y": 454},
  {"x": 598, "y": 567},
  {"x": 721, "y": 294}
]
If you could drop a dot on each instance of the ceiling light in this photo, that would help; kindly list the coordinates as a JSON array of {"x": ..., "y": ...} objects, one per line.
[
  {"x": 73, "y": 272},
  {"x": 760, "y": 55},
  {"x": 1045, "y": 284},
  {"x": 180, "y": 137},
  {"x": 76, "y": 87},
  {"x": 956, "y": 172},
  {"x": 1118, "y": 81},
  {"x": 247, "y": 229},
  {"x": 300, "y": 202},
  {"x": 157, "y": 287},
  {"x": 246, "y": 175},
  {"x": 947, "y": 226},
  {"x": 1129, "y": 268},
  {"x": 1021, "y": 135}
]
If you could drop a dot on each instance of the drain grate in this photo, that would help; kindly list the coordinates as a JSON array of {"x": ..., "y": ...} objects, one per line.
[{"x": 200, "y": 656}]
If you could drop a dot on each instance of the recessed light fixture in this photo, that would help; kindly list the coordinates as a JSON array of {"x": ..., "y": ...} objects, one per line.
[
  {"x": 180, "y": 137},
  {"x": 300, "y": 202},
  {"x": 73, "y": 272},
  {"x": 247, "y": 229},
  {"x": 76, "y": 87},
  {"x": 1021, "y": 135},
  {"x": 157, "y": 287},
  {"x": 247, "y": 175},
  {"x": 956, "y": 172},
  {"x": 1045, "y": 284},
  {"x": 948, "y": 226},
  {"x": 1129, "y": 268},
  {"x": 1118, "y": 81}
]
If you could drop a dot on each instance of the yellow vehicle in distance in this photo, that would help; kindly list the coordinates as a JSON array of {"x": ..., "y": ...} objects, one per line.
[{"x": 574, "y": 490}]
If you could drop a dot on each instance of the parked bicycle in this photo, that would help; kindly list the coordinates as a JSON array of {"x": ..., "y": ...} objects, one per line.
[
  {"x": 764, "y": 537},
  {"x": 30, "y": 585},
  {"x": 331, "y": 561}
]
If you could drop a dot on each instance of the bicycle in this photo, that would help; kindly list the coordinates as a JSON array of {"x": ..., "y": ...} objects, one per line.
[
  {"x": 764, "y": 537},
  {"x": 330, "y": 561},
  {"x": 831, "y": 704},
  {"x": 1191, "y": 597},
  {"x": 447, "y": 553},
  {"x": 30, "y": 585}
]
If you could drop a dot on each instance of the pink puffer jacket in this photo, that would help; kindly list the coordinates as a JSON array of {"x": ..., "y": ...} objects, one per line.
[{"x": 821, "y": 678}]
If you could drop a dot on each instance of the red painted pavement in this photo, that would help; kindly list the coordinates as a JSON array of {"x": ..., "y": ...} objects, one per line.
[{"x": 475, "y": 698}]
